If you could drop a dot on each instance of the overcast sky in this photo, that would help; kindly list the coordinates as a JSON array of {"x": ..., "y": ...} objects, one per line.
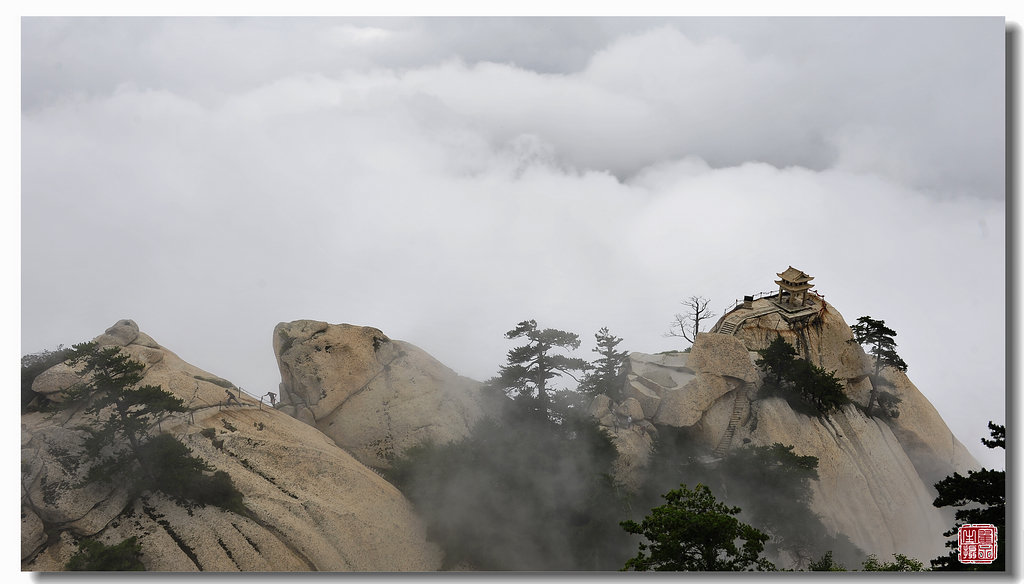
[{"x": 443, "y": 179}]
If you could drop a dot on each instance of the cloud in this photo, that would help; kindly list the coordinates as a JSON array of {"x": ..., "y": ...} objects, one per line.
[
  {"x": 210, "y": 178},
  {"x": 609, "y": 93}
]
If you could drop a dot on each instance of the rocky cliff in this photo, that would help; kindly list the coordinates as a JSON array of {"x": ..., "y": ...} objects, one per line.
[
  {"x": 876, "y": 474},
  {"x": 373, "y": 395},
  {"x": 314, "y": 507},
  {"x": 352, "y": 398}
]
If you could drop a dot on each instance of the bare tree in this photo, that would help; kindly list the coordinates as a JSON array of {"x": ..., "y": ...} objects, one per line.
[{"x": 687, "y": 324}]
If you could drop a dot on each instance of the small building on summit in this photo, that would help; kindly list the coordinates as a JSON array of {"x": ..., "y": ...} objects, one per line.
[{"x": 793, "y": 287}]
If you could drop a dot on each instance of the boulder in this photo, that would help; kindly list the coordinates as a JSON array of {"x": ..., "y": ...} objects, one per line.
[
  {"x": 54, "y": 380},
  {"x": 721, "y": 355},
  {"x": 376, "y": 397},
  {"x": 122, "y": 333},
  {"x": 648, "y": 399},
  {"x": 600, "y": 406},
  {"x": 631, "y": 409},
  {"x": 33, "y": 536},
  {"x": 858, "y": 390},
  {"x": 664, "y": 370},
  {"x": 715, "y": 420},
  {"x": 685, "y": 406}
]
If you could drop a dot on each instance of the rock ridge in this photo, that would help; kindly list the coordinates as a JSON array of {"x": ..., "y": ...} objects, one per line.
[
  {"x": 876, "y": 475},
  {"x": 314, "y": 507}
]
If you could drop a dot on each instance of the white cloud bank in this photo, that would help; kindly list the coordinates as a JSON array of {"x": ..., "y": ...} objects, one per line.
[{"x": 211, "y": 178}]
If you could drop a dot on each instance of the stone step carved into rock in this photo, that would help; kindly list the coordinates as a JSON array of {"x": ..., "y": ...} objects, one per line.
[{"x": 740, "y": 411}]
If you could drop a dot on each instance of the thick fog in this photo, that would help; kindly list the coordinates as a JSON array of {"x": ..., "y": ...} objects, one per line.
[{"x": 443, "y": 179}]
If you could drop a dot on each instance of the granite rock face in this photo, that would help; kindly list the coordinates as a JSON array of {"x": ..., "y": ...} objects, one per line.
[
  {"x": 374, "y": 396},
  {"x": 312, "y": 505},
  {"x": 827, "y": 341},
  {"x": 876, "y": 474},
  {"x": 722, "y": 356},
  {"x": 352, "y": 399}
]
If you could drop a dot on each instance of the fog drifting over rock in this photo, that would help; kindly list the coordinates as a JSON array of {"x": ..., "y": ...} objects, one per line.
[{"x": 442, "y": 179}]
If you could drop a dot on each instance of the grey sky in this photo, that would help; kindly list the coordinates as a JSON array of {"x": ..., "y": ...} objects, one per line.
[{"x": 443, "y": 179}]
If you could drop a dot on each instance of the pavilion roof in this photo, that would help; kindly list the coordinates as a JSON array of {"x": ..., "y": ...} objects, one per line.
[
  {"x": 794, "y": 287},
  {"x": 795, "y": 276}
]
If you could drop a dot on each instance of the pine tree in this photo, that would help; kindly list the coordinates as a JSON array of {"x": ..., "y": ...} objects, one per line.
[
  {"x": 902, "y": 564},
  {"x": 879, "y": 338},
  {"x": 812, "y": 387},
  {"x": 826, "y": 564},
  {"x": 109, "y": 389},
  {"x": 530, "y": 488},
  {"x": 119, "y": 443},
  {"x": 692, "y": 531},
  {"x": 981, "y": 498},
  {"x": 777, "y": 360},
  {"x": 531, "y": 366},
  {"x": 604, "y": 376}
]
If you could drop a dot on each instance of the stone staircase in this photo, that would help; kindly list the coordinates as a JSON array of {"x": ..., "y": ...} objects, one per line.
[
  {"x": 729, "y": 327},
  {"x": 733, "y": 322},
  {"x": 740, "y": 410}
]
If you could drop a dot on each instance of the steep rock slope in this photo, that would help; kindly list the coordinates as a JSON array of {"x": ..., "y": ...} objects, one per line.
[
  {"x": 314, "y": 507},
  {"x": 824, "y": 339},
  {"x": 374, "y": 396},
  {"x": 875, "y": 474}
]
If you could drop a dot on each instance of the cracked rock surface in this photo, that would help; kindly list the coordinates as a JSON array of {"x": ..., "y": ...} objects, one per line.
[
  {"x": 373, "y": 395},
  {"x": 875, "y": 474},
  {"x": 314, "y": 506}
]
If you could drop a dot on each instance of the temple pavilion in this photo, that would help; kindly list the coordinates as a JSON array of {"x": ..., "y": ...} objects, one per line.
[{"x": 793, "y": 287}]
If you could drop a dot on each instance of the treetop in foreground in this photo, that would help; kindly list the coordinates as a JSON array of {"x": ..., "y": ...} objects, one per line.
[
  {"x": 692, "y": 531},
  {"x": 980, "y": 498}
]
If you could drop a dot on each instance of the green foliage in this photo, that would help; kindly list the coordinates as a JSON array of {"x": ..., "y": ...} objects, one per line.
[
  {"x": 826, "y": 564},
  {"x": 775, "y": 468},
  {"x": 879, "y": 338},
  {"x": 94, "y": 556},
  {"x": 888, "y": 405},
  {"x": 776, "y": 360},
  {"x": 981, "y": 498},
  {"x": 531, "y": 366},
  {"x": 771, "y": 484},
  {"x": 124, "y": 413},
  {"x": 694, "y": 532},
  {"x": 604, "y": 376},
  {"x": 902, "y": 564},
  {"x": 881, "y": 345},
  {"x": 818, "y": 387},
  {"x": 181, "y": 476},
  {"x": 808, "y": 388},
  {"x": 519, "y": 493},
  {"x": 31, "y": 366},
  {"x": 118, "y": 443},
  {"x": 998, "y": 436}
]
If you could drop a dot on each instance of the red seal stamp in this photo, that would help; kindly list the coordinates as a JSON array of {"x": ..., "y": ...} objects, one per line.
[{"x": 977, "y": 543}]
